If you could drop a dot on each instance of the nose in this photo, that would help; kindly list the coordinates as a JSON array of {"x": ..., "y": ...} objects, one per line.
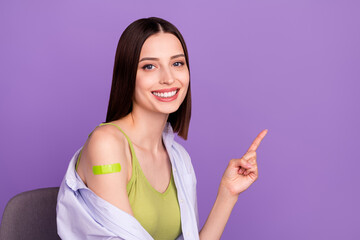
[{"x": 166, "y": 76}]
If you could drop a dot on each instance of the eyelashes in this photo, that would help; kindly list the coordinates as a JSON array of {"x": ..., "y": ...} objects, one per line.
[
  {"x": 182, "y": 63},
  {"x": 149, "y": 66}
]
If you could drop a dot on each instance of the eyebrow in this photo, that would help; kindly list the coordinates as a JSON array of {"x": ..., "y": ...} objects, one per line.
[{"x": 152, "y": 58}]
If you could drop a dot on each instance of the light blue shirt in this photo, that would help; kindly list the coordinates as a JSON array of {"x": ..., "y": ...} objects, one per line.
[{"x": 81, "y": 214}]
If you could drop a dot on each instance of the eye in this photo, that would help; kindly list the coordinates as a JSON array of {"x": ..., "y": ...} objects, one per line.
[
  {"x": 148, "y": 66},
  {"x": 178, "y": 64}
]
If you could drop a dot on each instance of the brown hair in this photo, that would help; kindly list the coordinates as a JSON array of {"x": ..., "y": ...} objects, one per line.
[{"x": 125, "y": 68}]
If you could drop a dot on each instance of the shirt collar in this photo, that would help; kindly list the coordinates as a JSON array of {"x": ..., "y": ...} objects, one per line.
[{"x": 168, "y": 134}]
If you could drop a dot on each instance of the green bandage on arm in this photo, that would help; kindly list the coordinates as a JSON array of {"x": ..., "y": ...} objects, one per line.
[{"x": 104, "y": 169}]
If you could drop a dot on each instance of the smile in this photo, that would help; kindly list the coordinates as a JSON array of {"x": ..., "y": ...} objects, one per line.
[{"x": 166, "y": 95}]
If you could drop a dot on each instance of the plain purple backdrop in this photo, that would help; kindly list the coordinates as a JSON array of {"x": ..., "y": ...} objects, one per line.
[{"x": 292, "y": 67}]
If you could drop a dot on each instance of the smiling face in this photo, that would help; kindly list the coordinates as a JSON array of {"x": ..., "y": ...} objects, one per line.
[{"x": 162, "y": 77}]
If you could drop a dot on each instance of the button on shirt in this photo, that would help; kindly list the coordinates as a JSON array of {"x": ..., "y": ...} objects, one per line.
[{"x": 81, "y": 214}]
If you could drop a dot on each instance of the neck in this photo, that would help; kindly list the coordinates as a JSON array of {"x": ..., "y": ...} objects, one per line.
[{"x": 147, "y": 128}]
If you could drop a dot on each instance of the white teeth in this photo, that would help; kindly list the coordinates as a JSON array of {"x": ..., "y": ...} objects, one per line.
[{"x": 166, "y": 94}]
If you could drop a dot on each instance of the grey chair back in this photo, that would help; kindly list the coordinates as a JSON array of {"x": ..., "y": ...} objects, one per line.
[{"x": 31, "y": 215}]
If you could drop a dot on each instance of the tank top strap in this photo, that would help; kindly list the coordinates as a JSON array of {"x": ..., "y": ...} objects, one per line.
[{"x": 126, "y": 136}]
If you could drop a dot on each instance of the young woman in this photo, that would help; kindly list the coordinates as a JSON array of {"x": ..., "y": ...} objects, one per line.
[{"x": 131, "y": 180}]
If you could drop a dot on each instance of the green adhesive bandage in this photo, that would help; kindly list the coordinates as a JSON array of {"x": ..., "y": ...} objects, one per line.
[{"x": 104, "y": 169}]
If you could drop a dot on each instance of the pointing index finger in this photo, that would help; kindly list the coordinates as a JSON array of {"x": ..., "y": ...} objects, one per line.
[{"x": 257, "y": 140}]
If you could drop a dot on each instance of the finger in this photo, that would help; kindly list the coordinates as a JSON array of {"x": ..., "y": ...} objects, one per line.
[
  {"x": 251, "y": 170},
  {"x": 242, "y": 170},
  {"x": 241, "y": 162},
  {"x": 258, "y": 140},
  {"x": 249, "y": 155},
  {"x": 248, "y": 172},
  {"x": 252, "y": 161}
]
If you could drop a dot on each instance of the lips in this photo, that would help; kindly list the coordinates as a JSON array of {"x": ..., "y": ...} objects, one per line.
[
  {"x": 166, "y": 95},
  {"x": 166, "y": 90}
]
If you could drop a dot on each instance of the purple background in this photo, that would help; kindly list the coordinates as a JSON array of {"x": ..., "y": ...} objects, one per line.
[{"x": 290, "y": 66}]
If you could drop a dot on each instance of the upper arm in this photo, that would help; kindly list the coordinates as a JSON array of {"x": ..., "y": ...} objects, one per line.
[{"x": 106, "y": 147}]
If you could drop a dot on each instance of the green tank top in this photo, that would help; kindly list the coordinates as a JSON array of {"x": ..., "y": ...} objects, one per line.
[{"x": 158, "y": 213}]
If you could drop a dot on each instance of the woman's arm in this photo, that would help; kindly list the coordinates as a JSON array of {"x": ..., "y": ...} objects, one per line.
[
  {"x": 106, "y": 147},
  {"x": 219, "y": 215},
  {"x": 238, "y": 176}
]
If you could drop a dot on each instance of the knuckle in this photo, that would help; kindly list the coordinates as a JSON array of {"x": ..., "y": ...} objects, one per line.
[{"x": 251, "y": 154}]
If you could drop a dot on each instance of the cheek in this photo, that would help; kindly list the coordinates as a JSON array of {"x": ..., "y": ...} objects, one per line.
[
  {"x": 143, "y": 83},
  {"x": 183, "y": 77},
  {"x": 185, "y": 81},
  {"x": 141, "y": 88},
  {"x": 146, "y": 80}
]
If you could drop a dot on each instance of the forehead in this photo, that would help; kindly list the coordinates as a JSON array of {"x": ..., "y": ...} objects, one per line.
[{"x": 161, "y": 45}]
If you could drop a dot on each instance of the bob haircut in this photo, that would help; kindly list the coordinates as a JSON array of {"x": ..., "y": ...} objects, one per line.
[{"x": 125, "y": 68}]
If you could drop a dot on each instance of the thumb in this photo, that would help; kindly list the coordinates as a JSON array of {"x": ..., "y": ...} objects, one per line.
[
  {"x": 244, "y": 161},
  {"x": 241, "y": 162}
]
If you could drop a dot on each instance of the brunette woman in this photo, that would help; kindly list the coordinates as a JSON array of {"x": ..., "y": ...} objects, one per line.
[{"x": 131, "y": 180}]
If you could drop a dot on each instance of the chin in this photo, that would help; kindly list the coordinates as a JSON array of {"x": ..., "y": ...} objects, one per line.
[{"x": 169, "y": 110}]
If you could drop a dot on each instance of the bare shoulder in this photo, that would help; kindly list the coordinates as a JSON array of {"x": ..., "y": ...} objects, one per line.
[{"x": 106, "y": 146}]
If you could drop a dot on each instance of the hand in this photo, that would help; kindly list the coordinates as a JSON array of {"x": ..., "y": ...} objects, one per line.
[{"x": 242, "y": 172}]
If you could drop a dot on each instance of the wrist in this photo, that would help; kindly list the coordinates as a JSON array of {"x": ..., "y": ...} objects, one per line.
[{"x": 226, "y": 195}]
